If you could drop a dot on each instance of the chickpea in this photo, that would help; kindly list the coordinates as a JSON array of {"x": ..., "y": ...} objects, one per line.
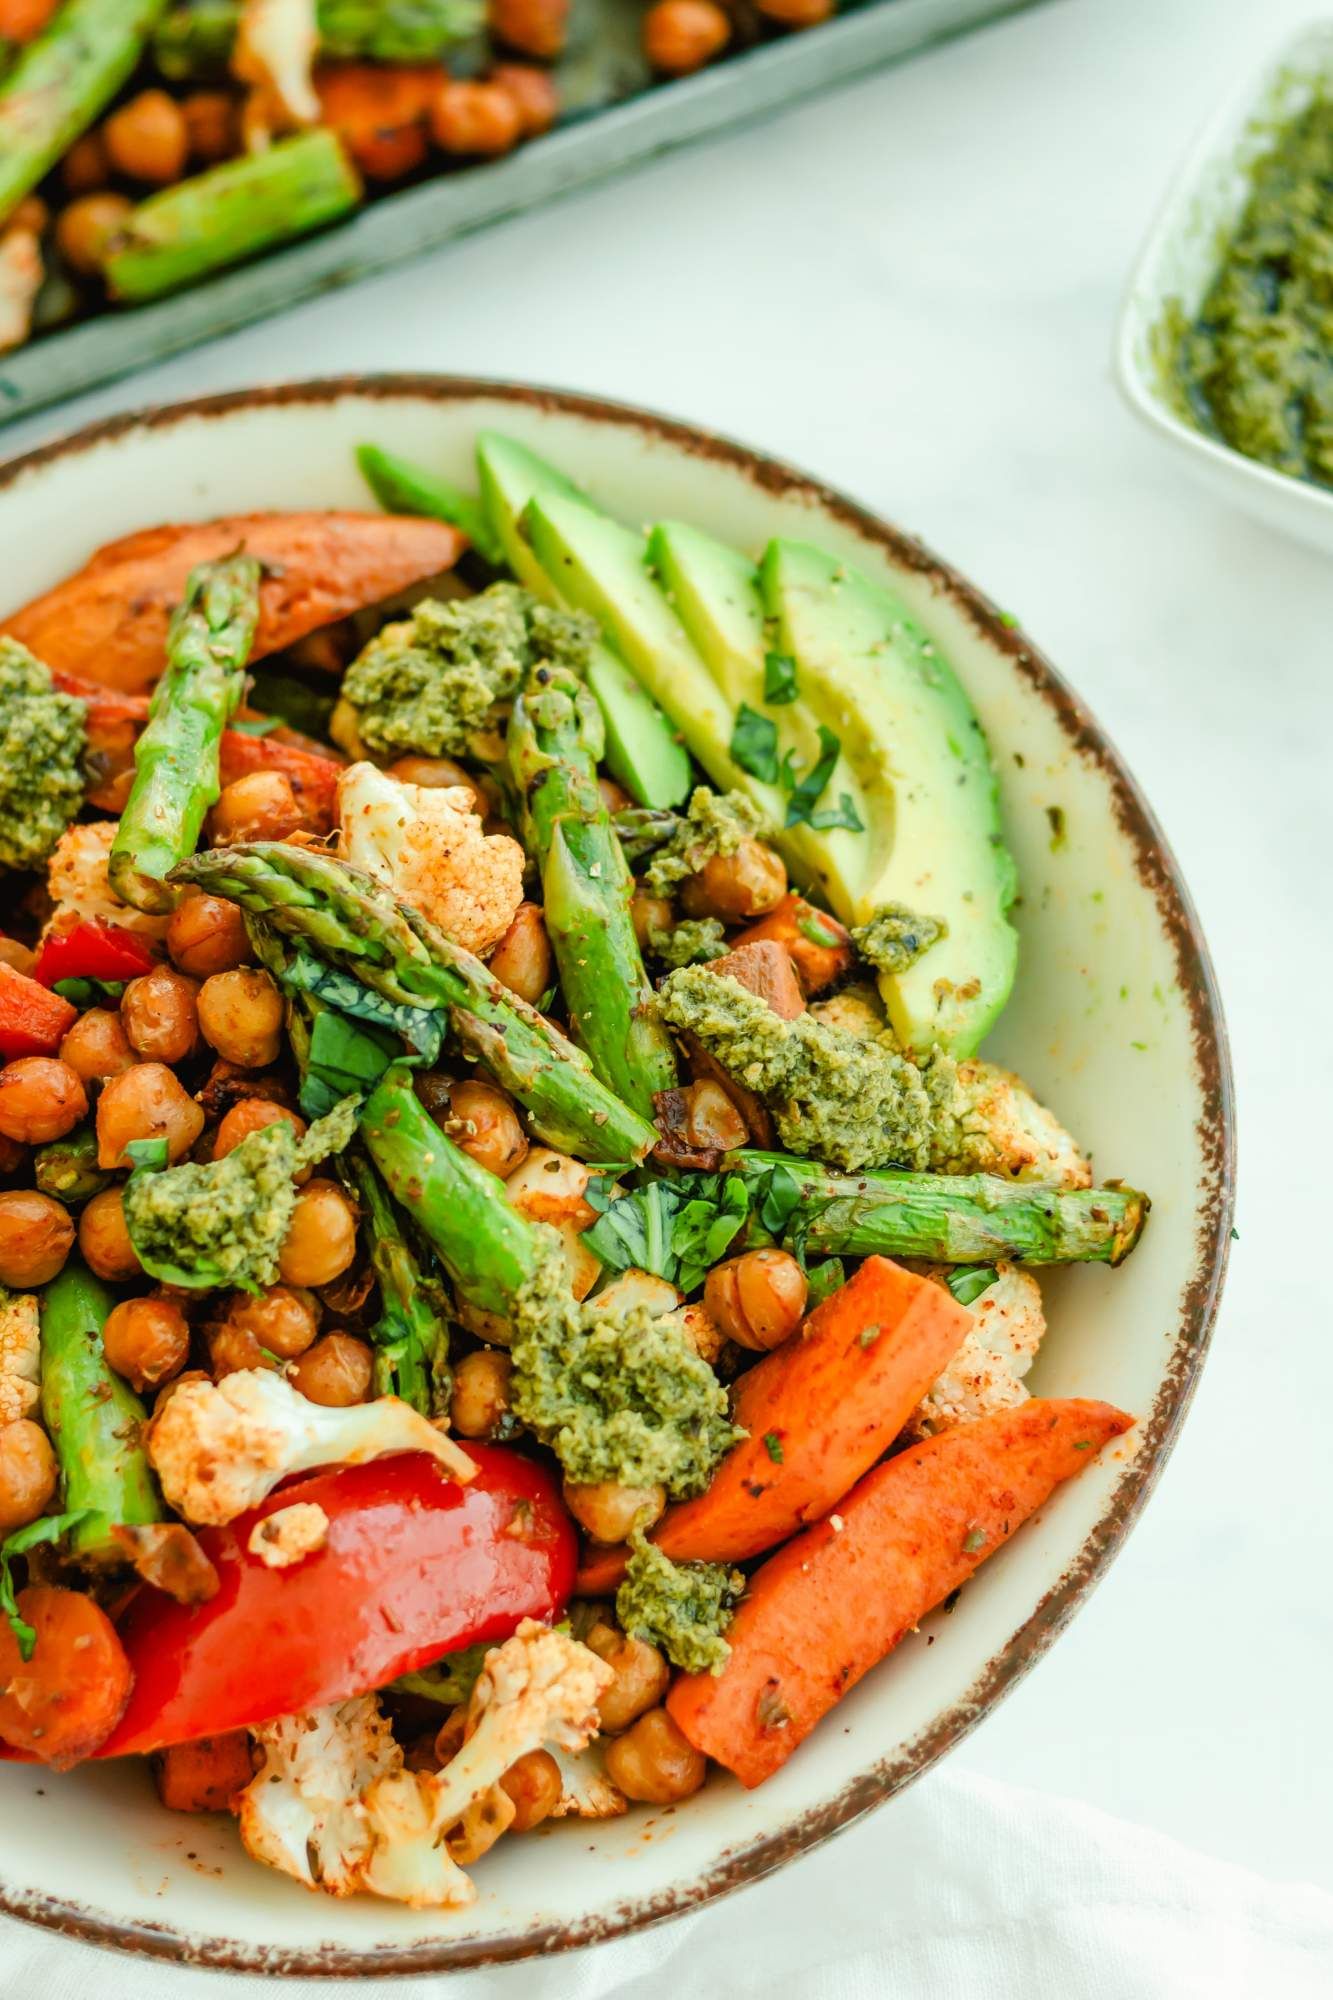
[
  {"x": 320, "y": 1243},
  {"x": 522, "y": 959},
  {"x": 533, "y": 27},
  {"x": 642, "y": 1676},
  {"x": 336, "y": 1371},
  {"x": 86, "y": 230},
  {"x": 683, "y": 35},
  {"x": 14, "y": 952},
  {"x": 160, "y": 1016},
  {"x": 207, "y": 934},
  {"x": 480, "y": 1401},
  {"x": 36, "y": 1236},
  {"x": 534, "y": 1784},
  {"x": 41, "y": 1098},
  {"x": 146, "y": 1102},
  {"x": 28, "y": 1474},
  {"x": 260, "y": 806},
  {"x": 251, "y": 1115},
  {"x": 232, "y": 1350},
  {"x": 483, "y": 1123},
  {"x": 146, "y": 1340},
  {"x": 650, "y": 913},
  {"x": 747, "y": 883},
  {"x": 12, "y": 1155},
  {"x": 475, "y": 118},
  {"x": 609, "y": 1511},
  {"x": 534, "y": 93},
  {"x": 439, "y": 774},
  {"x": 796, "y": 13},
  {"x": 148, "y": 138},
  {"x": 653, "y": 1762},
  {"x": 758, "y": 1299},
  {"x": 240, "y": 1014},
  {"x": 283, "y": 1319},
  {"x": 211, "y": 129},
  {"x": 85, "y": 166},
  {"x": 105, "y": 1241},
  {"x": 97, "y": 1047},
  {"x": 32, "y": 215}
]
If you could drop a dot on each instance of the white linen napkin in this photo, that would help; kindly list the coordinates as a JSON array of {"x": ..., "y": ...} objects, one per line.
[{"x": 962, "y": 1889}]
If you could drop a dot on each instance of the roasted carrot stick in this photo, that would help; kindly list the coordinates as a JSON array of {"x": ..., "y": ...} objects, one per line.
[
  {"x": 206, "y": 1775},
  {"x": 826, "y": 1608},
  {"x": 821, "y": 949},
  {"x": 819, "y": 1410},
  {"x": 108, "y": 623},
  {"x": 64, "y": 1702}
]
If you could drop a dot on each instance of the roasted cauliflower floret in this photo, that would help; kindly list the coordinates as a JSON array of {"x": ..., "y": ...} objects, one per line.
[
  {"x": 20, "y": 1356},
  {"x": 276, "y": 45},
  {"x": 857, "y": 1010},
  {"x": 76, "y": 879},
  {"x": 585, "y": 1790},
  {"x": 427, "y": 845},
  {"x": 283, "y": 1539},
  {"x": 219, "y": 1448},
  {"x": 986, "y": 1374},
  {"x": 302, "y": 1810},
  {"x": 994, "y": 1125},
  {"x": 21, "y": 274}
]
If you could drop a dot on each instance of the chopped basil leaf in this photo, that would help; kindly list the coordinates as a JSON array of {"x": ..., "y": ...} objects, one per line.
[
  {"x": 806, "y": 793},
  {"x": 773, "y": 1446},
  {"x": 824, "y": 1279},
  {"x": 754, "y": 744},
  {"x": 91, "y": 992},
  {"x": 256, "y": 725},
  {"x": 974, "y": 1539},
  {"x": 843, "y": 814},
  {"x": 816, "y": 929},
  {"x": 148, "y": 1154},
  {"x": 49, "y": 1528},
  {"x": 779, "y": 679},
  {"x": 969, "y": 1281}
]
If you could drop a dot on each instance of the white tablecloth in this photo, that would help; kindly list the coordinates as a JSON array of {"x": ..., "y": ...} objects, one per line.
[{"x": 910, "y": 287}]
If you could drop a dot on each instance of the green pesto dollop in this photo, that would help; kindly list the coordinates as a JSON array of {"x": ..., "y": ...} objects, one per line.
[
  {"x": 693, "y": 941},
  {"x": 1255, "y": 366},
  {"x": 618, "y": 1396},
  {"x": 43, "y": 735},
  {"x": 223, "y": 1222},
  {"x": 713, "y": 823},
  {"x": 896, "y": 937},
  {"x": 682, "y": 1607},
  {"x": 433, "y": 681}
]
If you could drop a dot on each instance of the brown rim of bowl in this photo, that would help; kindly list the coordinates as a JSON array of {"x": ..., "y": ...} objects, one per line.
[{"x": 1157, "y": 870}]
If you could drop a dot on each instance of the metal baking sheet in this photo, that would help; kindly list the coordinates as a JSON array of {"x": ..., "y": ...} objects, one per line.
[{"x": 602, "y": 139}]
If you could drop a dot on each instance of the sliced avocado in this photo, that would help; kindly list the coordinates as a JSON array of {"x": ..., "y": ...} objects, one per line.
[
  {"x": 642, "y": 750},
  {"x": 852, "y": 640},
  {"x": 599, "y": 565}
]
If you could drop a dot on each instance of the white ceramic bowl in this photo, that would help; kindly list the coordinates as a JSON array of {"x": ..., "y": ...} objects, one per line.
[
  {"x": 1178, "y": 263},
  {"x": 1115, "y": 1020}
]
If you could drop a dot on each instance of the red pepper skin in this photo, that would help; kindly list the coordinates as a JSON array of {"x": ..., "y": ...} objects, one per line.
[
  {"x": 415, "y": 1565},
  {"x": 92, "y": 951},
  {"x": 33, "y": 1020}
]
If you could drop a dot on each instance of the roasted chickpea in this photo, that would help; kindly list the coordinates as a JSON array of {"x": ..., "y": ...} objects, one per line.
[
  {"x": 206, "y": 934},
  {"x": 642, "y": 1675},
  {"x": 475, "y": 118},
  {"x": 148, "y": 139},
  {"x": 28, "y": 1474},
  {"x": 41, "y": 1098},
  {"x": 747, "y": 883},
  {"x": 609, "y": 1511},
  {"x": 234, "y": 1350},
  {"x": 522, "y": 959},
  {"x": 85, "y": 166},
  {"x": 682, "y": 35},
  {"x": 36, "y": 1236},
  {"x": 14, "y": 952},
  {"x": 31, "y": 215},
  {"x": 260, "y": 806},
  {"x": 533, "y": 27},
  {"x": 534, "y": 1784},
  {"x": 482, "y": 1122},
  {"x": 440, "y": 774},
  {"x": 97, "y": 1046},
  {"x": 251, "y": 1115},
  {"x": 796, "y": 13},
  {"x": 211, "y": 128},
  {"x": 240, "y": 1015},
  {"x": 86, "y": 230},
  {"x": 146, "y": 1340},
  {"x": 758, "y": 1299},
  {"x": 146, "y": 1102},
  {"x": 12, "y": 1155},
  {"x": 336, "y": 1371},
  {"x": 480, "y": 1401},
  {"x": 320, "y": 1243},
  {"x": 104, "y": 1240},
  {"x": 650, "y": 913},
  {"x": 283, "y": 1319},
  {"x": 534, "y": 93},
  {"x": 160, "y": 1015},
  {"x": 653, "y": 1762}
]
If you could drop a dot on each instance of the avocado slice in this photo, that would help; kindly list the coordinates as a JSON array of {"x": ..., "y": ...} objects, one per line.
[
  {"x": 947, "y": 858},
  {"x": 642, "y": 750}
]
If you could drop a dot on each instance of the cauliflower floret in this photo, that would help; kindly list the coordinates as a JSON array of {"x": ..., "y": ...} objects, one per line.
[
  {"x": 427, "y": 845},
  {"x": 302, "y": 1810},
  {"x": 585, "y": 1790},
  {"x": 276, "y": 44},
  {"x": 857, "y": 1010},
  {"x": 20, "y": 1356},
  {"x": 996, "y": 1126},
  {"x": 76, "y": 879},
  {"x": 986, "y": 1374},
  {"x": 21, "y": 274},
  {"x": 289, "y": 1536},
  {"x": 219, "y": 1448},
  {"x": 539, "y": 1687}
]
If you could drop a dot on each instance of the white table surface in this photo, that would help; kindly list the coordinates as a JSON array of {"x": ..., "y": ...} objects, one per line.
[{"x": 910, "y": 288}]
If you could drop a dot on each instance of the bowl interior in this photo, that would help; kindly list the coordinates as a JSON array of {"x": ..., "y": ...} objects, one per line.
[{"x": 1113, "y": 1021}]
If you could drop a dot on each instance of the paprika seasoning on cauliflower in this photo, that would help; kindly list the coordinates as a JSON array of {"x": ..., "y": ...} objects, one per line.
[{"x": 427, "y": 845}]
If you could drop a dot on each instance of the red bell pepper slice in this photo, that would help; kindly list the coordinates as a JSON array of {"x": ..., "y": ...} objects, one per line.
[
  {"x": 415, "y": 1566},
  {"x": 92, "y": 950},
  {"x": 33, "y": 1020}
]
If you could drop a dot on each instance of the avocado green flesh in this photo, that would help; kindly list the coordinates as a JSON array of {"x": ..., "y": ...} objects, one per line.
[
  {"x": 947, "y": 857},
  {"x": 641, "y": 750}
]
